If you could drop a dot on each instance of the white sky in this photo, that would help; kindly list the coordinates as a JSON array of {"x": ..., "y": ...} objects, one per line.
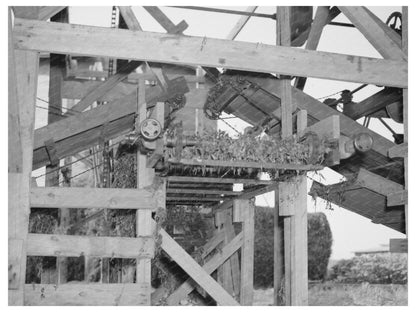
[{"x": 351, "y": 232}]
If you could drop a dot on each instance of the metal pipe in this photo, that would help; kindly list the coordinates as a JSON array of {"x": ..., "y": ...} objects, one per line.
[{"x": 341, "y": 24}]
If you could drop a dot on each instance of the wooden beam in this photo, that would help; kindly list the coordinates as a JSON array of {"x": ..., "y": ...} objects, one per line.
[
  {"x": 217, "y": 180},
  {"x": 373, "y": 103},
  {"x": 243, "y": 211},
  {"x": 37, "y": 12},
  {"x": 397, "y": 199},
  {"x": 84, "y": 197},
  {"x": 375, "y": 34},
  {"x": 207, "y": 192},
  {"x": 405, "y": 39},
  {"x": 240, "y": 23},
  {"x": 22, "y": 79},
  {"x": 189, "y": 285},
  {"x": 399, "y": 245},
  {"x": 399, "y": 150},
  {"x": 130, "y": 18},
  {"x": 75, "y": 246},
  {"x": 168, "y": 48},
  {"x": 198, "y": 274},
  {"x": 245, "y": 164},
  {"x": 106, "y": 87},
  {"x": 86, "y": 294},
  {"x": 164, "y": 21},
  {"x": 318, "y": 24},
  {"x": 377, "y": 183},
  {"x": 326, "y": 128}
]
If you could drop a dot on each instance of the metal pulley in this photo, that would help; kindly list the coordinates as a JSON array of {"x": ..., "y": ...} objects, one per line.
[
  {"x": 150, "y": 129},
  {"x": 362, "y": 142}
]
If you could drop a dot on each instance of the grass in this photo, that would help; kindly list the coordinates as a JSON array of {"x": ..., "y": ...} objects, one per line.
[{"x": 331, "y": 294}]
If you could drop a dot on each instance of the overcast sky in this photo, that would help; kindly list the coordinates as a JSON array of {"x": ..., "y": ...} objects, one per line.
[{"x": 351, "y": 232}]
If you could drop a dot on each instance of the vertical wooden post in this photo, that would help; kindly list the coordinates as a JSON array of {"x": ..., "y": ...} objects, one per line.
[
  {"x": 23, "y": 77},
  {"x": 283, "y": 38},
  {"x": 243, "y": 211},
  {"x": 278, "y": 268},
  {"x": 405, "y": 25}
]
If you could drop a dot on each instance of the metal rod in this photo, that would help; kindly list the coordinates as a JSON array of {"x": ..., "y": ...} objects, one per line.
[
  {"x": 198, "y": 8},
  {"x": 387, "y": 126},
  {"x": 341, "y": 24}
]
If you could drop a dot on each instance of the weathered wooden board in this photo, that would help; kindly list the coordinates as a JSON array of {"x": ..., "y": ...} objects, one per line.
[
  {"x": 36, "y": 12},
  {"x": 168, "y": 48},
  {"x": 164, "y": 21},
  {"x": 182, "y": 291},
  {"x": 397, "y": 198},
  {"x": 240, "y": 23},
  {"x": 377, "y": 183},
  {"x": 86, "y": 294},
  {"x": 93, "y": 246},
  {"x": 198, "y": 274},
  {"x": 84, "y": 197},
  {"x": 399, "y": 150}
]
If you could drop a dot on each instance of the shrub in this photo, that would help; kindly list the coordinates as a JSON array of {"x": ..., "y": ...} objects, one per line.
[
  {"x": 319, "y": 246},
  {"x": 374, "y": 268}
]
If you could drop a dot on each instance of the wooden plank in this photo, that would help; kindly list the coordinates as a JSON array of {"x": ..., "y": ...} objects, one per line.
[
  {"x": 377, "y": 183},
  {"x": 175, "y": 49},
  {"x": 164, "y": 21},
  {"x": 198, "y": 274},
  {"x": 93, "y": 246},
  {"x": 217, "y": 180},
  {"x": 399, "y": 245},
  {"x": 189, "y": 285},
  {"x": 82, "y": 122},
  {"x": 397, "y": 199},
  {"x": 299, "y": 243},
  {"x": 129, "y": 18},
  {"x": 372, "y": 104},
  {"x": 245, "y": 164},
  {"x": 84, "y": 197},
  {"x": 326, "y": 128},
  {"x": 194, "y": 199},
  {"x": 399, "y": 150},
  {"x": 240, "y": 23},
  {"x": 107, "y": 86},
  {"x": 278, "y": 251},
  {"x": 86, "y": 294},
  {"x": 84, "y": 140},
  {"x": 23, "y": 75},
  {"x": 208, "y": 192},
  {"x": 375, "y": 34},
  {"x": 318, "y": 24},
  {"x": 245, "y": 212},
  {"x": 37, "y": 12}
]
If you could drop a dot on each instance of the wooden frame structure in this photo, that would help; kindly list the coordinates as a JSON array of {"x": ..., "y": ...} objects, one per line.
[{"x": 30, "y": 34}]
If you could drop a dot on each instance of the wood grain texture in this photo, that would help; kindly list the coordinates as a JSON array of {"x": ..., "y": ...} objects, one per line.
[
  {"x": 198, "y": 274},
  {"x": 189, "y": 285},
  {"x": 377, "y": 183},
  {"x": 93, "y": 246},
  {"x": 129, "y": 18},
  {"x": 86, "y": 294},
  {"x": 84, "y": 197},
  {"x": 246, "y": 212},
  {"x": 397, "y": 199},
  {"x": 23, "y": 80},
  {"x": 175, "y": 49}
]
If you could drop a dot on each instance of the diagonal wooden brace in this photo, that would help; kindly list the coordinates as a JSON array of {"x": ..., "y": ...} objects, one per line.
[
  {"x": 51, "y": 150},
  {"x": 208, "y": 267}
]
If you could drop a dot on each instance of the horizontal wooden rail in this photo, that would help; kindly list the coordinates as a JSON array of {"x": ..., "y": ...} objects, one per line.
[
  {"x": 83, "y": 197},
  {"x": 86, "y": 294},
  {"x": 176, "y": 49},
  {"x": 50, "y": 245},
  {"x": 216, "y": 180},
  {"x": 196, "y": 191},
  {"x": 245, "y": 164}
]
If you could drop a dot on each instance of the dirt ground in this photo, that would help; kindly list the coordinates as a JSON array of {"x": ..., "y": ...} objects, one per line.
[{"x": 330, "y": 294}]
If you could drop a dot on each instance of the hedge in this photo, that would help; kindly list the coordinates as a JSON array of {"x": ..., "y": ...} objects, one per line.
[{"x": 319, "y": 246}]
